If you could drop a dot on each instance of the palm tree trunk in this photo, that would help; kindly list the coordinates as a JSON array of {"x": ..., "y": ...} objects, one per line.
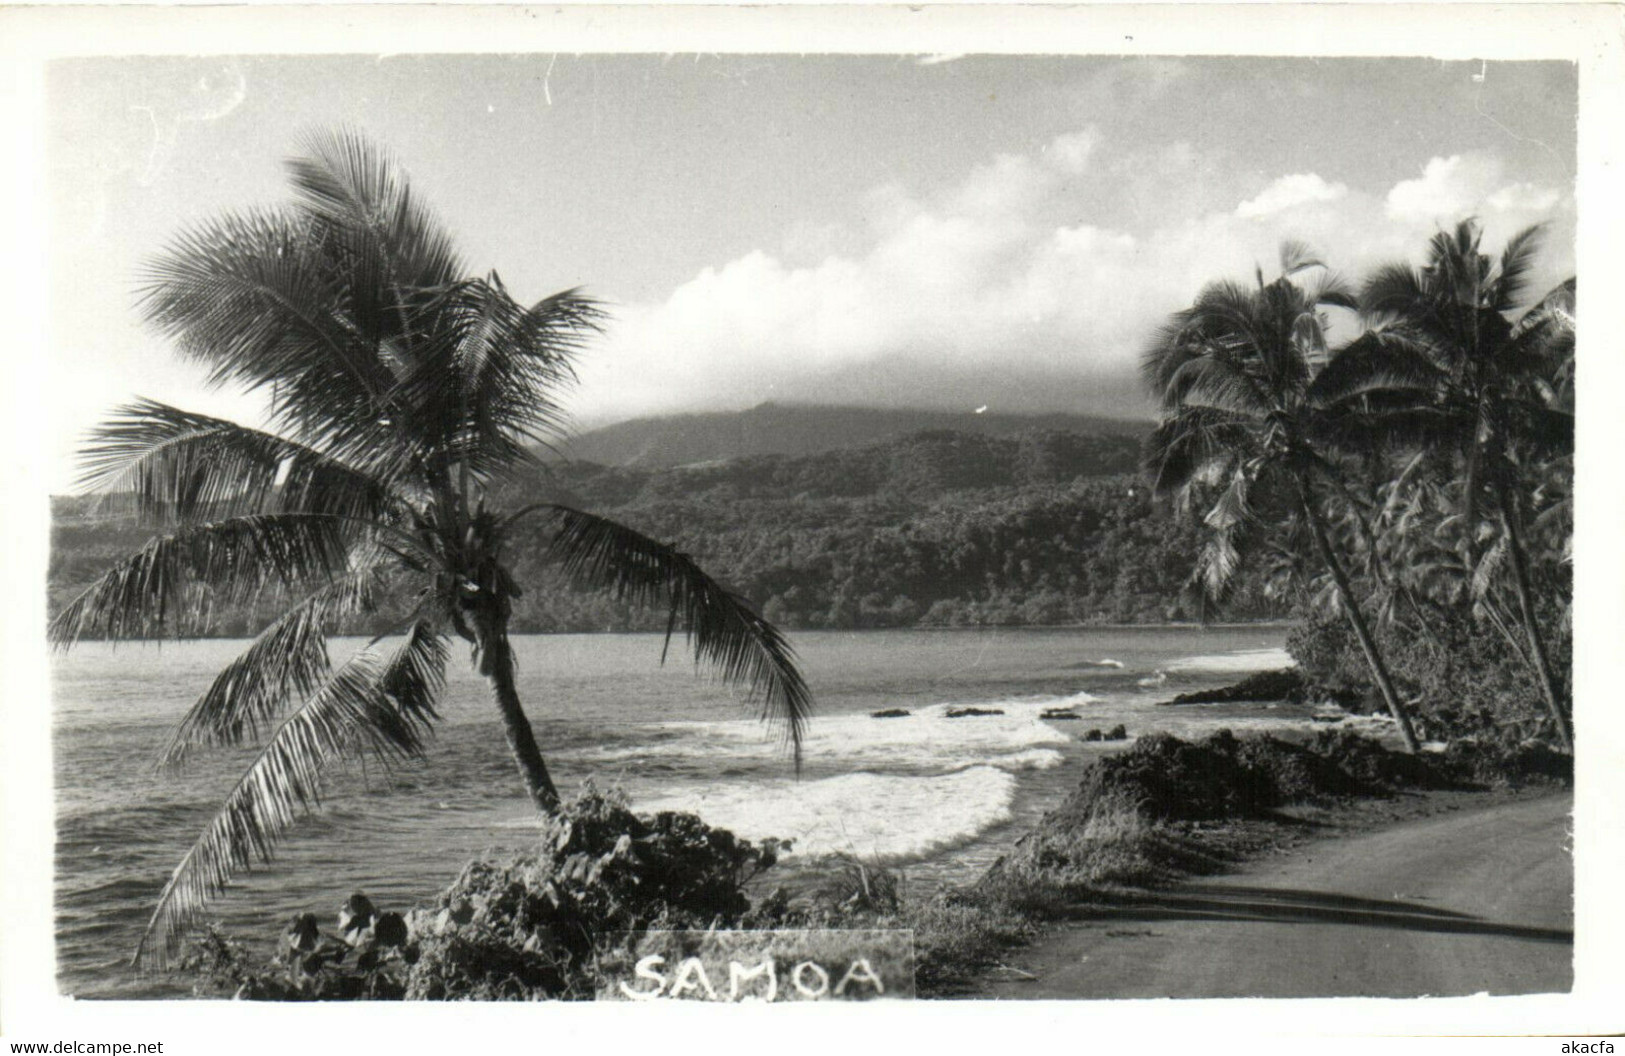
[
  {"x": 1351, "y": 609},
  {"x": 497, "y": 665},
  {"x": 1526, "y": 610}
]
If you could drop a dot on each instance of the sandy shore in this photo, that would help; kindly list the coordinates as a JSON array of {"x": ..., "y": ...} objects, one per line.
[{"x": 1444, "y": 894}]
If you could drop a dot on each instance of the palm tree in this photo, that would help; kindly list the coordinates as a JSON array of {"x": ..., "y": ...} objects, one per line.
[
  {"x": 400, "y": 395},
  {"x": 1235, "y": 374},
  {"x": 1460, "y": 371}
]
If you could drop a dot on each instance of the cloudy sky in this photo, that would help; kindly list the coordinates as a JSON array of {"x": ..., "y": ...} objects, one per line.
[{"x": 936, "y": 231}]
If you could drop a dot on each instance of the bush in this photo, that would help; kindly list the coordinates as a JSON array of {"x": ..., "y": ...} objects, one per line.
[
  {"x": 1530, "y": 763},
  {"x": 522, "y": 929},
  {"x": 1097, "y": 841},
  {"x": 1464, "y": 680},
  {"x": 1136, "y": 817},
  {"x": 1171, "y": 779},
  {"x": 1285, "y": 684}
]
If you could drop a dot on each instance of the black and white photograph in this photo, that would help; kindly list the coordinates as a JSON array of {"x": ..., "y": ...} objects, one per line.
[{"x": 752, "y": 522}]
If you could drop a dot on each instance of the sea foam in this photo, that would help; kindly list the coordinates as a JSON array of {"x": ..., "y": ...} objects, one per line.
[
  {"x": 1242, "y": 661},
  {"x": 927, "y": 739},
  {"x": 886, "y": 817},
  {"x": 904, "y": 788}
]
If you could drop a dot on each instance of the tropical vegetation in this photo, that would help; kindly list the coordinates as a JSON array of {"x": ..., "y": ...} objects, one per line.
[
  {"x": 1418, "y": 478},
  {"x": 1454, "y": 368},
  {"x": 1243, "y": 429},
  {"x": 400, "y": 395}
]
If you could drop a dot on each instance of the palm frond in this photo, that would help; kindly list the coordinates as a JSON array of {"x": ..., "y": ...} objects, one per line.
[
  {"x": 1541, "y": 347},
  {"x": 288, "y": 660},
  {"x": 1393, "y": 290},
  {"x": 1558, "y": 306},
  {"x": 176, "y": 466},
  {"x": 1225, "y": 310},
  {"x": 1183, "y": 443},
  {"x": 1333, "y": 291},
  {"x": 1169, "y": 349},
  {"x": 1511, "y": 284},
  {"x": 250, "y": 295},
  {"x": 1488, "y": 568},
  {"x": 152, "y": 591},
  {"x": 490, "y": 371},
  {"x": 1455, "y": 267},
  {"x": 1231, "y": 509},
  {"x": 1378, "y": 361},
  {"x": 358, "y": 189},
  {"x": 367, "y": 705},
  {"x": 1296, "y": 256},
  {"x": 723, "y": 629},
  {"x": 1217, "y": 563},
  {"x": 415, "y": 676},
  {"x": 1217, "y": 384}
]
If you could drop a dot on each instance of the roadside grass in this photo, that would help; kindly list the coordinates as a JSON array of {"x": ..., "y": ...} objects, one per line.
[{"x": 1166, "y": 810}]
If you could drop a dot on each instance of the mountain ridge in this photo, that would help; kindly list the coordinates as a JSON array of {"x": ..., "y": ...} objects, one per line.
[{"x": 773, "y": 428}]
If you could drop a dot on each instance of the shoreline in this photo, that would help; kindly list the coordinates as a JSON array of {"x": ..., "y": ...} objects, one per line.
[{"x": 1115, "y": 845}]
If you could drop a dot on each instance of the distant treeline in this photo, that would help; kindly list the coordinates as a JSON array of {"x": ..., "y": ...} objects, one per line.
[{"x": 934, "y": 529}]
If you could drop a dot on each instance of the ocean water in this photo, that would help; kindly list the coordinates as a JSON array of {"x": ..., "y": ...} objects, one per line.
[{"x": 935, "y": 797}]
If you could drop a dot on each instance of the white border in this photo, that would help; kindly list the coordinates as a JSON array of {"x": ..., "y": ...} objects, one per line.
[{"x": 30, "y": 1008}]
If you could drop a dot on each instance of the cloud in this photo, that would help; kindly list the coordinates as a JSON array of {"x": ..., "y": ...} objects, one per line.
[
  {"x": 1289, "y": 191},
  {"x": 1070, "y": 152},
  {"x": 1448, "y": 188},
  {"x": 1524, "y": 196},
  {"x": 1010, "y": 286}
]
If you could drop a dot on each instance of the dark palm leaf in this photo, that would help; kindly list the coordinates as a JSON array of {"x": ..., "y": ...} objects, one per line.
[
  {"x": 1510, "y": 287},
  {"x": 251, "y": 296},
  {"x": 1217, "y": 384},
  {"x": 288, "y": 660},
  {"x": 1541, "y": 348},
  {"x": 1393, "y": 290},
  {"x": 175, "y": 466},
  {"x": 1376, "y": 361},
  {"x": 356, "y": 188},
  {"x": 1181, "y": 445},
  {"x": 367, "y": 705},
  {"x": 235, "y": 560},
  {"x": 1296, "y": 256},
  {"x": 256, "y": 299},
  {"x": 505, "y": 364},
  {"x": 723, "y": 629}
]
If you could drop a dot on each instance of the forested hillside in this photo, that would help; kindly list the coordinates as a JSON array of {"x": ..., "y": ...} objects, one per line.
[
  {"x": 807, "y": 429},
  {"x": 934, "y": 529}
]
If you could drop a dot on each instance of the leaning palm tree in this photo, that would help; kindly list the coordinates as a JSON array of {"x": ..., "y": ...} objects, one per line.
[
  {"x": 401, "y": 394},
  {"x": 1461, "y": 371},
  {"x": 1234, "y": 373}
]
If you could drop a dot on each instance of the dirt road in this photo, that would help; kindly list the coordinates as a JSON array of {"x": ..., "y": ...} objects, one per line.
[{"x": 1468, "y": 902}]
